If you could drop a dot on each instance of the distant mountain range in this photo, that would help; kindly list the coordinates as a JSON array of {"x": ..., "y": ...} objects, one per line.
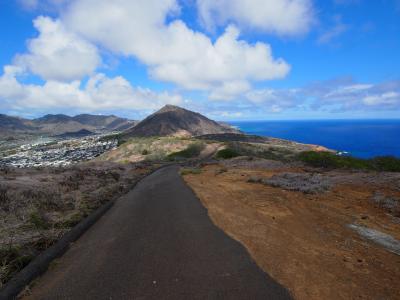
[
  {"x": 60, "y": 124},
  {"x": 174, "y": 120},
  {"x": 169, "y": 120}
]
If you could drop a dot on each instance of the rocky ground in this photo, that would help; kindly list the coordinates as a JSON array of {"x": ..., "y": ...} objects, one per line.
[
  {"x": 38, "y": 205},
  {"x": 322, "y": 234}
]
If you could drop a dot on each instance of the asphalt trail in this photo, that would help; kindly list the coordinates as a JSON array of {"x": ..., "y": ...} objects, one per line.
[{"x": 157, "y": 242}]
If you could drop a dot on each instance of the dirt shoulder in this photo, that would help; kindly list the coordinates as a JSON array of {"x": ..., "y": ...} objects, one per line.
[{"x": 303, "y": 240}]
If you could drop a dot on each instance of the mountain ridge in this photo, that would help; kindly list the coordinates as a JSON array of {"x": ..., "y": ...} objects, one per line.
[{"x": 57, "y": 124}]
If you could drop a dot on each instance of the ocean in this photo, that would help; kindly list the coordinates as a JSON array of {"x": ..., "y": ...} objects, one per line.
[{"x": 360, "y": 138}]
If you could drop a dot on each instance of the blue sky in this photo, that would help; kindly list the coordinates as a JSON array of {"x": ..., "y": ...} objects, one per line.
[{"x": 228, "y": 59}]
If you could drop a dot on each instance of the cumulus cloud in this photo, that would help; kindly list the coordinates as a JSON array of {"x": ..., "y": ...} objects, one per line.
[
  {"x": 57, "y": 54},
  {"x": 229, "y": 90},
  {"x": 99, "y": 93},
  {"x": 283, "y": 17},
  {"x": 172, "y": 51},
  {"x": 65, "y": 54}
]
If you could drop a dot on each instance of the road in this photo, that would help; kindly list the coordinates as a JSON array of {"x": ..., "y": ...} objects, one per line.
[{"x": 157, "y": 242}]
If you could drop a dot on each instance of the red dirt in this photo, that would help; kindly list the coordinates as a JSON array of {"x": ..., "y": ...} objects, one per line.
[{"x": 303, "y": 240}]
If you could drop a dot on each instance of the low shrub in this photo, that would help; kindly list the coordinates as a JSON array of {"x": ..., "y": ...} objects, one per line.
[
  {"x": 70, "y": 222},
  {"x": 38, "y": 220},
  {"x": 255, "y": 179},
  {"x": 191, "y": 151},
  {"x": 385, "y": 163},
  {"x": 235, "y": 149},
  {"x": 11, "y": 261},
  {"x": 4, "y": 199},
  {"x": 227, "y": 153},
  {"x": 332, "y": 161},
  {"x": 221, "y": 171},
  {"x": 388, "y": 203},
  {"x": 188, "y": 171}
]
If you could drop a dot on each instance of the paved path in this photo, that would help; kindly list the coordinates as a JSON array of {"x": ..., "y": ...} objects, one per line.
[{"x": 157, "y": 242}]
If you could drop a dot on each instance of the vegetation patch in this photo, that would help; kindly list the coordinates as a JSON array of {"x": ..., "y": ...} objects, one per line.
[
  {"x": 388, "y": 203},
  {"x": 330, "y": 160},
  {"x": 187, "y": 171},
  {"x": 227, "y": 153},
  {"x": 148, "y": 149},
  {"x": 193, "y": 150},
  {"x": 11, "y": 261},
  {"x": 259, "y": 150},
  {"x": 385, "y": 163},
  {"x": 38, "y": 206},
  {"x": 38, "y": 220},
  {"x": 307, "y": 183},
  {"x": 221, "y": 171}
]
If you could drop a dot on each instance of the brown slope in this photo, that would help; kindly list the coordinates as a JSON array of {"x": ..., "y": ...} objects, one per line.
[
  {"x": 172, "y": 120},
  {"x": 9, "y": 123}
]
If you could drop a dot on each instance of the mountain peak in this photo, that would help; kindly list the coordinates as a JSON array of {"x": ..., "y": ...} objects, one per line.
[
  {"x": 169, "y": 107},
  {"x": 171, "y": 120}
]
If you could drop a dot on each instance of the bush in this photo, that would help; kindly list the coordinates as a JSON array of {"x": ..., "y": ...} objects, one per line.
[
  {"x": 191, "y": 151},
  {"x": 187, "y": 171},
  {"x": 38, "y": 220},
  {"x": 385, "y": 163},
  {"x": 221, "y": 171},
  {"x": 11, "y": 261},
  {"x": 4, "y": 199},
  {"x": 235, "y": 149},
  {"x": 226, "y": 153},
  {"x": 145, "y": 152},
  {"x": 332, "y": 161},
  {"x": 73, "y": 220}
]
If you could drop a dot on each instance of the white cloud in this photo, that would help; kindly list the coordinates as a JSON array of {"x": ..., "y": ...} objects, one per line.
[
  {"x": 29, "y": 4},
  {"x": 173, "y": 52},
  {"x": 230, "y": 90},
  {"x": 43, "y": 5},
  {"x": 283, "y": 17},
  {"x": 346, "y": 95},
  {"x": 274, "y": 100},
  {"x": 335, "y": 31},
  {"x": 341, "y": 95},
  {"x": 385, "y": 99},
  {"x": 100, "y": 93},
  {"x": 57, "y": 54}
]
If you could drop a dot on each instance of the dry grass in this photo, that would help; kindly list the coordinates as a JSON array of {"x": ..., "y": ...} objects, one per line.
[
  {"x": 37, "y": 206},
  {"x": 149, "y": 149}
]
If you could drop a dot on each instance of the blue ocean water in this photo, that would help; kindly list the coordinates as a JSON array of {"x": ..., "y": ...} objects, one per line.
[{"x": 361, "y": 138}]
